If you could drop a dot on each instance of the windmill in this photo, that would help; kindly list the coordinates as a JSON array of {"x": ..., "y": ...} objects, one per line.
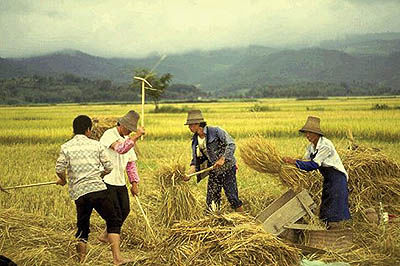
[{"x": 143, "y": 82}]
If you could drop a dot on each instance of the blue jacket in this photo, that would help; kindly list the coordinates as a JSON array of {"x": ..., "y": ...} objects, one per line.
[{"x": 219, "y": 143}]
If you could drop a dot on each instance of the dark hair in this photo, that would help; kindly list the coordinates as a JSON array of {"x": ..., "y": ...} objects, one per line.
[
  {"x": 81, "y": 124},
  {"x": 203, "y": 124}
]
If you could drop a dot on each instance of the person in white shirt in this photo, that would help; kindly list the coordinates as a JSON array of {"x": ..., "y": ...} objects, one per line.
[
  {"x": 322, "y": 155},
  {"x": 86, "y": 164},
  {"x": 119, "y": 148}
]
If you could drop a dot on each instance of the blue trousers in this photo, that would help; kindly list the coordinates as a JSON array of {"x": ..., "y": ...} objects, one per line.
[
  {"x": 335, "y": 196},
  {"x": 226, "y": 180}
]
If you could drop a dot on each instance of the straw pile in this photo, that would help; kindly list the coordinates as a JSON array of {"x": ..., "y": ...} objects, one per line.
[
  {"x": 177, "y": 200},
  {"x": 231, "y": 239},
  {"x": 260, "y": 154},
  {"x": 101, "y": 124},
  {"x": 29, "y": 239},
  {"x": 373, "y": 178}
]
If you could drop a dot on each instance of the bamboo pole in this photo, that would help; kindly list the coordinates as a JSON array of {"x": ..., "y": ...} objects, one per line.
[
  {"x": 143, "y": 92},
  {"x": 30, "y": 185},
  {"x": 145, "y": 216}
]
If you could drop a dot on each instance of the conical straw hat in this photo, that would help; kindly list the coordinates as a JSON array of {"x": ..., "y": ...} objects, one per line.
[{"x": 312, "y": 125}]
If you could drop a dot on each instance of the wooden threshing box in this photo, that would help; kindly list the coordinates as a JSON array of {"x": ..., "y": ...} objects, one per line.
[{"x": 285, "y": 211}]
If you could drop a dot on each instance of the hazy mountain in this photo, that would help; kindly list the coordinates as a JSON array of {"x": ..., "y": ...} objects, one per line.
[{"x": 357, "y": 58}]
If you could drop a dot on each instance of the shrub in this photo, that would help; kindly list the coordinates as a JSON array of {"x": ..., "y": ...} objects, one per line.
[
  {"x": 380, "y": 107},
  {"x": 262, "y": 108},
  {"x": 170, "y": 109}
]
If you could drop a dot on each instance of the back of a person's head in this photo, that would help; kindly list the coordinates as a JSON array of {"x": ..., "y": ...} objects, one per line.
[{"x": 81, "y": 124}]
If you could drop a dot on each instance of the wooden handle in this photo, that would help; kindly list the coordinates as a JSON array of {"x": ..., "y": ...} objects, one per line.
[
  {"x": 32, "y": 185},
  {"x": 201, "y": 171}
]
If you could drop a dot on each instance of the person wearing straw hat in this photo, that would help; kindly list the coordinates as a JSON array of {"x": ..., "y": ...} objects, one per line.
[
  {"x": 213, "y": 146},
  {"x": 86, "y": 163},
  {"x": 322, "y": 155},
  {"x": 119, "y": 147}
]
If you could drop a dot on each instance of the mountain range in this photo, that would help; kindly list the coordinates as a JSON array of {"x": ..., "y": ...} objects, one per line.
[{"x": 366, "y": 58}]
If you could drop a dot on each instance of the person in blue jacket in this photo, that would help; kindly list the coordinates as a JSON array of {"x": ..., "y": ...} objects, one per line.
[
  {"x": 322, "y": 155},
  {"x": 213, "y": 146}
]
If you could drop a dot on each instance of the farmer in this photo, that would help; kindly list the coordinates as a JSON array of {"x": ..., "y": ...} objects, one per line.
[
  {"x": 119, "y": 148},
  {"x": 86, "y": 163},
  {"x": 213, "y": 146},
  {"x": 322, "y": 155}
]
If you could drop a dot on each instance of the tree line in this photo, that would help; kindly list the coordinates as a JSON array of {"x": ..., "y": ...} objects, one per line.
[{"x": 70, "y": 88}]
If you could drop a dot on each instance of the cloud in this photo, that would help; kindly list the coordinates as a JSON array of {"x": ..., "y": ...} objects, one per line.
[{"x": 136, "y": 28}]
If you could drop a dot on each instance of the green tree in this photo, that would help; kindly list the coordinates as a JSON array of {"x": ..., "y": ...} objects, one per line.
[{"x": 159, "y": 84}]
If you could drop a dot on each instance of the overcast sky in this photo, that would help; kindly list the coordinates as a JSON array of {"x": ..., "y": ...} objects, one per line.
[{"x": 134, "y": 28}]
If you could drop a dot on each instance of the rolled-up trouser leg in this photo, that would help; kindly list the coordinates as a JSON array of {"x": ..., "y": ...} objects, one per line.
[{"x": 84, "y": 209}]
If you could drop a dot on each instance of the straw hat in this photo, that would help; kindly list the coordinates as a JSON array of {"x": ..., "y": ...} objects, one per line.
[
  {"x": 194, "y": 117},
  {"x": 129, "y": 121},
  {"x": 312, "y": 125}
]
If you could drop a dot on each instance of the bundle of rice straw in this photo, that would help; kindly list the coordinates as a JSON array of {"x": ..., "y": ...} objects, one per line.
[
  {"x": 261, "y": 155},
  {"x": 101, "y": 124},
  {"x": 231, "y": 239},
  {"x": 177, "y": 200}
]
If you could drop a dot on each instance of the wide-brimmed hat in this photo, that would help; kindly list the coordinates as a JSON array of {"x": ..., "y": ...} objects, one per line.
[
  {"x": 312, "y": 125},
  {"x": 129, "y": 121},
  {"x": 194, "y": 117}
]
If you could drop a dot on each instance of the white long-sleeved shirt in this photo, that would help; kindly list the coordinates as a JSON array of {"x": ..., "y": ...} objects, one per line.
[{"x": 326, "y": 155}]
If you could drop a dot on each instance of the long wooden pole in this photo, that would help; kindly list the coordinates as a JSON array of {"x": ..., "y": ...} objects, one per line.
[
  {"x": 145, "y": 216},
  {"x": 143, "y": 92},
  {"x": 31, "y": 185}
]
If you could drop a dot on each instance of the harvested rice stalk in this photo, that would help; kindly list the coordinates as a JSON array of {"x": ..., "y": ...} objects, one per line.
[
  {"x": 261, "y": 155},
  {"x": 231, "y": 239},
  {"x": 101, "y": 124},
  {"x": 373, "y": 178},
  {"x": 171, "y": 174},
  {"x": 177, "y": 200}
]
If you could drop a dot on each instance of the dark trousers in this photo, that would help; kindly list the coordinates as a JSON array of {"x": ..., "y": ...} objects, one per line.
[
  {"x": 120, "y": 199},
  {"x": 101, "y": 202},
  {"x": 226, "y": 180},
  {"x": 335, "y": 196}
]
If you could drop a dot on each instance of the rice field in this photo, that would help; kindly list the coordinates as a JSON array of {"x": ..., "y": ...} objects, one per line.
[{"x": 30, "y": 139}]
